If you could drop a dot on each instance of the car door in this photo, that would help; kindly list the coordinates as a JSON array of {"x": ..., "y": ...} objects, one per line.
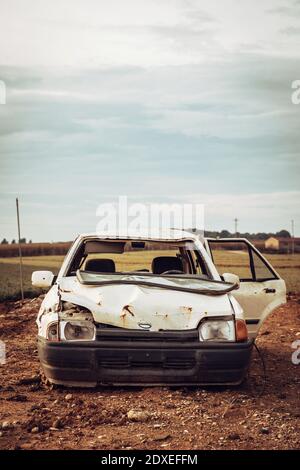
[{"x": 261, "y": 288}]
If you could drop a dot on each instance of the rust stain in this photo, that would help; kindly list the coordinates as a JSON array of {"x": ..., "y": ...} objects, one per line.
[
  {"x": 161, "y": 314},
  {"x": 185, "y": 309},
  {"x": 127, "y": 309}
]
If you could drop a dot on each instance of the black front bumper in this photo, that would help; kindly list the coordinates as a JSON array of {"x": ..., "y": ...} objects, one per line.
[{"x": 114, "y": 361}]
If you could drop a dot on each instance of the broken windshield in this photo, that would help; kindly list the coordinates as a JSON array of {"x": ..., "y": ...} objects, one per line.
[{"x": 193, "y": 284}]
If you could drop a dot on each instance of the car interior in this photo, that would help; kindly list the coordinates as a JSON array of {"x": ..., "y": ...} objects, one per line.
[{"x": 156, "y": 258}]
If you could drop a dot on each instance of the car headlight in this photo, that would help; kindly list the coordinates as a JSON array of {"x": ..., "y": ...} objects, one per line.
[
  {"x": 217, "y": 330},
  {"x": 52, "y": 331},
  {"x": 79, "y": 331}
]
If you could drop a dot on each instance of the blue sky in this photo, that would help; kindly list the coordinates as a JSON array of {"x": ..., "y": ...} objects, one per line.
[{"x": 182, "y": 101}]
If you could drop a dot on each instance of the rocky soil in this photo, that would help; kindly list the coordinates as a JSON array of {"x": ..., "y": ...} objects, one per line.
[{"x": 253, "y": 416}]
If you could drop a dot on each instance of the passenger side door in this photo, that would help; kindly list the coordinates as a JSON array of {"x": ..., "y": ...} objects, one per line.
[{"x": 261, "y": 288}]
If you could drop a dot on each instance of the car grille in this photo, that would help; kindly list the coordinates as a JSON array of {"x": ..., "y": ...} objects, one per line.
[
  {"x": 147, "y": 360},
  {"x": 122, "y": 334}
]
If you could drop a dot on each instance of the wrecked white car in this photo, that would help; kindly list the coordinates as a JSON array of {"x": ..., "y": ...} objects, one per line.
[{"x": 154, "y": 310}]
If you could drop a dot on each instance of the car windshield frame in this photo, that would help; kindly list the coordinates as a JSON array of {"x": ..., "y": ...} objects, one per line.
[{"x": 76, "y": 256}]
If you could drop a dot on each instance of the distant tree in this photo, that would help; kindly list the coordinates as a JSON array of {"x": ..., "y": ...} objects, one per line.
[
  {"x": 4, "y": 242},
  {"x": 261, "y": 236},
  {"x": 30, "y": 241},
  {"x": 225, "y": 234},
  {"x": 283, "y": 234},
  {"x": 13, "y": 241},
  {"x": 22, "y": 240},
  {"x": 211, "y": 234}
]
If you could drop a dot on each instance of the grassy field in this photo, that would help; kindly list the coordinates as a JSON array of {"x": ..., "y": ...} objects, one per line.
[
  {"x": 10, "y": 274},
  {"x": 288, "y": 267}
]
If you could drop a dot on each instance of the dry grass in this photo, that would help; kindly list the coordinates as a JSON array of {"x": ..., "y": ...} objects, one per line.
[{"x": 288, "y": 267}]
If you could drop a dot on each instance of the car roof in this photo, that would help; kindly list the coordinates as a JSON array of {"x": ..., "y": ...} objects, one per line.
[{"x": 167, "y": 235}]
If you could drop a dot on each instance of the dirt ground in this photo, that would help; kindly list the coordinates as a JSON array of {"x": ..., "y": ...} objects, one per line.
[{"x": 36, "y": 416}]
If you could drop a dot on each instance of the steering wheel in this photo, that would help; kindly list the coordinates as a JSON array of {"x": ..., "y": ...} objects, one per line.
[{"x": 173, "y": 271}]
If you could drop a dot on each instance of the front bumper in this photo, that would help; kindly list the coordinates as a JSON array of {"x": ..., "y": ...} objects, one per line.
[{"x": 115, "y": 361}]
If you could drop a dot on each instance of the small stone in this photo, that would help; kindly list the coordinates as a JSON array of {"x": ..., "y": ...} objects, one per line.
[
  {"x": 57, "y": 424},
  {"x": 234, "y": 436},
  {"x": 18, "y": 397},
  {"x": 69, "y": 397},
  {"x": 6, "y": 425},
  {"x": 29, "y": 380},
  {"x": 265, "y": 430},
  {"x": 162, "y": 437},
  {"x": 35, "y": 430},
  {"x": 137, "y": 415},
  {"x": 1, "y": 433}
]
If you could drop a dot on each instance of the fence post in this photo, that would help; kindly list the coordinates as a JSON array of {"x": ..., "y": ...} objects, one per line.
[{"x": 20, "y": 251}]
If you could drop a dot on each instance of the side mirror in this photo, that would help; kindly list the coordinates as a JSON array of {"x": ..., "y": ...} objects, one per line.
[
  {"x": 232, "y": 278},
  {"x": 42, "y": 278}
]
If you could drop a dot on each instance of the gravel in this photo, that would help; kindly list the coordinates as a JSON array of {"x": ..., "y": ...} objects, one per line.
[{"x": 36, "y": 416}]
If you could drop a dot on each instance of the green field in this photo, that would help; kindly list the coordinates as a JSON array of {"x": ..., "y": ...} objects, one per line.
[
  {"x": 288, "y": 267},
  {"x": 10, "y": 274}
]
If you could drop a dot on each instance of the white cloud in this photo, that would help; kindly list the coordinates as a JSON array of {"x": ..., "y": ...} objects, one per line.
[
  {"x": 255, "y": 211},
  {"x": 93, "y": 33}
]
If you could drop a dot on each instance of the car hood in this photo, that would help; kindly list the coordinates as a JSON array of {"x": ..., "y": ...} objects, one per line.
[{"x": 147, "y": 302}]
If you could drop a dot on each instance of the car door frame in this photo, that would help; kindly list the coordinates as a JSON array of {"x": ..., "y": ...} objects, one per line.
[{"x": 276, "y": 300}]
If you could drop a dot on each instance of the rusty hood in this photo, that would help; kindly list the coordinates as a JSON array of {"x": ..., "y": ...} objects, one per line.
[{"x": 145, "y": 301}]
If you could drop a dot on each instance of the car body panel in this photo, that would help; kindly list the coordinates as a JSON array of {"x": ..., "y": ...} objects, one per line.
[
  {"x": 127, "y": 306},
  {"x": 151, "y": 363}
]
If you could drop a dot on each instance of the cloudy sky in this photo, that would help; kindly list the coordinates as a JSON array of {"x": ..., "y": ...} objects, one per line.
[{"x": 163, "y": 101}]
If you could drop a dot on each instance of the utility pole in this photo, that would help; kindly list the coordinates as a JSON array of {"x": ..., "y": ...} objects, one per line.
[
  {"x": 20, "y": 251},
  {"x": 236, "y": 226},
  {"x": 293, "y": 236}
]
